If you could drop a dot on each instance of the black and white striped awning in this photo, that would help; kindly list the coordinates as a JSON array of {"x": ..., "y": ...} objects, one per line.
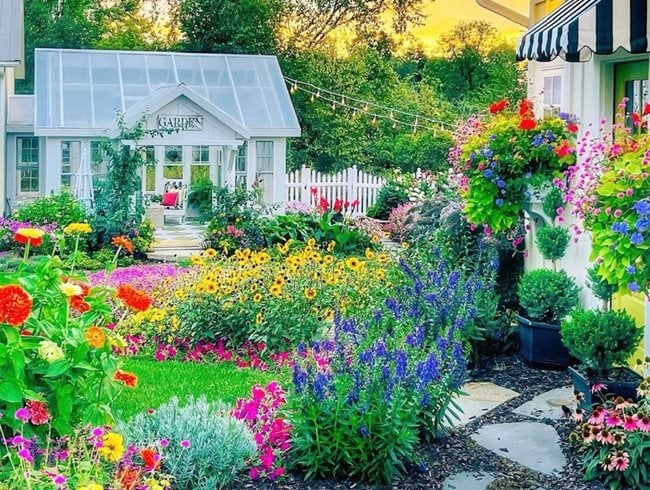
[{"x": 578, "y": 28}]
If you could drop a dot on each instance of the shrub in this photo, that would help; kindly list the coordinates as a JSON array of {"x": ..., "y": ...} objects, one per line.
[
  {"x": 547, "y": 296},
  {"x": 600, "y": 287},
  {"x": 142, "y": 237},
  {"x": 364, "y": 400},
  {"x": 205, "y": 447},
  {"x": 398, "y": 221},
  {"x": 390, "y": 196},
  {"x": 552, "y": 242},
  {"x": 62, "y": 209},
  {"x": 200, "y": 197},
  {"x": 615, "y": 442},
  {"x": 600, "y": 339},
  {"x": 552, "y": 202}
]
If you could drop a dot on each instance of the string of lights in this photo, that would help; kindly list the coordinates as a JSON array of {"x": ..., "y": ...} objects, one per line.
[{"x": 368, "y": 108}]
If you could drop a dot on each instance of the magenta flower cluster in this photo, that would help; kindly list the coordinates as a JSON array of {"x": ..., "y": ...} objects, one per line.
[
  {"x": 261, "y": 413},
  {"x": 144, "y": 277}
]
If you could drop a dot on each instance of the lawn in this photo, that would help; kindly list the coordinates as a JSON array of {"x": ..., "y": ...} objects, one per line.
[{"x": 159, "y": 381}]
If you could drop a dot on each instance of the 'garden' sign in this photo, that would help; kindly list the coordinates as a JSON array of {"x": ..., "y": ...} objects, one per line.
[{"x": 181, "y": 123}]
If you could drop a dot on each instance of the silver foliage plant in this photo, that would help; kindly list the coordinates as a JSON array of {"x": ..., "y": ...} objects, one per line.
[{"x": 203, "y": 446}]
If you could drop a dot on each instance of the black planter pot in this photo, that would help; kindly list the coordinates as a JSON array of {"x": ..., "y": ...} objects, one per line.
[
  {"x": 540, "y": 344},
  {"x": 623, "y": 384}
]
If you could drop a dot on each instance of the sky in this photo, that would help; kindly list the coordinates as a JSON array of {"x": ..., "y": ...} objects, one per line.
[{"x": 442, "y": 15}]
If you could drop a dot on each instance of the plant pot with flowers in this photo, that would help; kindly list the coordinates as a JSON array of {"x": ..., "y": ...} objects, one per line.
[
  {"x": 501, "y": 158},
  {"x": 545, "y": 297},
  {"x": 603, "y": 341}
]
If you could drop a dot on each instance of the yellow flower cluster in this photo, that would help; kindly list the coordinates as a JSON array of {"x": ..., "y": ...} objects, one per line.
[
  {"x": 112, "y": 446},
  {"x": 77, "y": 228},
  {"x": 263, "y": 286}
]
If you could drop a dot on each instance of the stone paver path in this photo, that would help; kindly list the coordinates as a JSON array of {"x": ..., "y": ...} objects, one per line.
[
  {"x": 482, "y": 397},
  {"x": 532, "y": 444},
  {"x": 468, "y": 480},
  {"x": 548, "y": 405}
]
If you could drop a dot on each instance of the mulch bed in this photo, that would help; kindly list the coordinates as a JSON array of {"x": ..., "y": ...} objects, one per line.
[{"x": 457, "y": 451}]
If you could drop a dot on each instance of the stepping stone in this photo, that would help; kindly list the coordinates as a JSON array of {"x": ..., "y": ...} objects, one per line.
[
  {"x": 468, "y": 480},
  {"x": 548, "y": 405},
  {"x": 482, "y": 398},
  {"x": 531, "y": 444}
]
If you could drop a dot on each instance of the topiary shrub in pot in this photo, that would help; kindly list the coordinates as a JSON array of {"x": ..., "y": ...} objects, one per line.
[
  {"x": 603, "y": 341},
  {"x": 545, "y": 297}
]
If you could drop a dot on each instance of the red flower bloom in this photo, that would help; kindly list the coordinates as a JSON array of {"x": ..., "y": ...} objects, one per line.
[
  {"x": 150, "y": 458},
  {"x": 646, "y": 109},
  {"x": 78, "y": 302},
  {"x": 338, "y": 205},
  {"x": 572, "y": 127},
  {"x": 314, "y": 191},
  {"x": 34, "y": 241},
  {"x": 563, "y": 150},
  {"x": 527, "y": 124},
  {"x": 15, "y": 305},
  {"x": 38, "y": 413},
  {"x": 126, "y": 378},
  {"x": 133, "y": 298},
  {"x": 636, "y": 118},
  {"x": 526, "y": 109},
  {"x": 499, "y": 106}
]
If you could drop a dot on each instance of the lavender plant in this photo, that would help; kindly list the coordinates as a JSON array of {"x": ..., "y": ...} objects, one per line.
[{"x": 363, "y": 401}]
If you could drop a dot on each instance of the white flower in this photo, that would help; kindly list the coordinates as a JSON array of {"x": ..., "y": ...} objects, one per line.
[{"x": 49, "y": 351}]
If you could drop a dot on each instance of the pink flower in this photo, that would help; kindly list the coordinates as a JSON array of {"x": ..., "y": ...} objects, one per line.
[
  {"x": 267, "y": 460},
  {"x": 597, "y": 416},
  {"x": 618, "y": 213},
  {"x": 630, "y": 423},
  {"x": 605, "y": 437},
  {"x": 643, "y": 422},
  {"x": 164, "y": 442},
  {"x": 614, "y": 419},
  {"x": 621, "y": 461},
  {"x": 254, "y": 474},
  {"x": 598, "y": 387},
  {"x": 185, "y": 443},
  {"x": 25, "y": 454},
  {"x": 22, "y": 414}
]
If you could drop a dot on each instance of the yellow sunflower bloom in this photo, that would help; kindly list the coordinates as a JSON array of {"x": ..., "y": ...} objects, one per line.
[
  {"x": 353, "y": 263},
  {"x": 310, "y": 293},
  {"x": 211, "y": 253},
  {"x": 259, "y": 319},
  {"x": 257, "y": 298}
]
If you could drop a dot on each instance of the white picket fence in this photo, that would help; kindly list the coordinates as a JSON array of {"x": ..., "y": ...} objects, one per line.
[{"x": 349, "y": 185}]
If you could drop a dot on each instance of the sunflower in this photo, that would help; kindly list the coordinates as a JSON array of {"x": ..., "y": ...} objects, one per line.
[
  {"x": 310, "y": 293},
  {"x": 353, "y": 263},
  {"x": 279, "y": 281},
  {"x": 328, "y": 315},
  {"x": 380, "y": 274},
  {"x": 211, "y": 287},
  {"x": 276, "y": 290},
  {"x": 405, "y": 245},
  {"x": 311, "y": 243},
  {"x": 331, "y": 245},
  {"x": 210, "y": 253},
  {"x": 257, "y": 298},
  {"x": 259, "y": 319},
  {"x": 328, "y": 259},
  {"x": 369, "y": 254}
]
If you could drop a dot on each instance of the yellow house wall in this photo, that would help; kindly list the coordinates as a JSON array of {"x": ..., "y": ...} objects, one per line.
[
  {"x": 635, "y": 305},
  {"x": 539, "y": 8}
]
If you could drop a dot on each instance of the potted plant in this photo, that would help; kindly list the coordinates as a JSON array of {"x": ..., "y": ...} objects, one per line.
[
  {"x": 545, "y": 297},
  {"x": 603, "y": 341}
]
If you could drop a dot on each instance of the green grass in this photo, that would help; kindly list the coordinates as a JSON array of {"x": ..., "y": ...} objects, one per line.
[{"x": 159, "y": 381}]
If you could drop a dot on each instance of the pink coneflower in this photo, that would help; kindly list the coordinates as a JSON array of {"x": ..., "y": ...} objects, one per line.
[
  {"x": 607, "y": 464},
  {"x": 605, "y": 437},
  {"x": 621, "y": 461},
  {"x": 630, "y": 423},
  {"x": 619, "y": 438},
  {"x": 578, "y": 415},
  {"x": 598, "y": 415},
  {"x": 613, "y": 419},
  {"x": 621, "y": 403},
  {"x": 643, "y": 422},
  {"x": 598, "y": 387}
]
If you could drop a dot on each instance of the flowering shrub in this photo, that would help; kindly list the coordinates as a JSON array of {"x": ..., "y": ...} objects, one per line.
[
  {"x": 277, "y": 296},
  {"x": 363, "y": 401},
  {"x": 610, "y": 196},
  {"x": 401, "y": 188},
  {"x": 397, "y": 221},
  {"x": 9, "y": 227},
  {"x": 90, "y": 459},
  {"x": 204, "y": 446},
  {"x": 144, "y": 277},
  {"x": 56, "y": 363},
  {"x": 261, "y": 415},
  {"x": 615, "y": 441},
  {"x": 501, "y": 156}
]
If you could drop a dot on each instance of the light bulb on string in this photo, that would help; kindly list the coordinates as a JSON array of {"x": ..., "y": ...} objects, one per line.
[
  {"x": 415, "y": 125},
  {"x": 342, "y": 100},
  {"x": 333, "y": 106},
  {"x": 313, "y": 97},
  {"x": 366, "y": 107},
  {"x": 318, "y": 93},
  {"x": 394, "y": 124},
  {"x": 374, "y": 119},
  {"x": 392, "y": 114}
]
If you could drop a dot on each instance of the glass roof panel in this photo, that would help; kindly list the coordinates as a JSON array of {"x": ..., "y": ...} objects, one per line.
[{"x": 89, "y": 86}]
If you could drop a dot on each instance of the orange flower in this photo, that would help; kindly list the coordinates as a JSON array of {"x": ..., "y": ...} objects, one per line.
[
  {"x": 15, "y": 305},
  {"x": 150, "y": 458},
  {"x": 29, "y": 235},
  {"x": 126, "y": 378},
  {"x": 96, "y": 337},
  {"x": 78, "y": 302},
  {"x": 133, "y": 298},
  {"x": 125, "y": 243}
]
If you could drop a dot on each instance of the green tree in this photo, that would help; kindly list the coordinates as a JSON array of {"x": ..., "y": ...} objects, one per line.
[{"x": 230, "y": 26}]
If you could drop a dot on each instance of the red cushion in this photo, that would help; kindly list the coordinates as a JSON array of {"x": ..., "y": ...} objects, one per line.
[{"x": 170, "y": 198}]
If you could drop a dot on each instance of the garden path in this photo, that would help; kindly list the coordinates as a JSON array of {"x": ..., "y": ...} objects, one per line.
[
  {"x": 533, "y": 444},
  {"x": 174, "y": 242}
]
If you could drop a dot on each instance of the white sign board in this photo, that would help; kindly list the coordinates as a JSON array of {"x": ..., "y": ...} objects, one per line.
[{"x": 181, "y": 123}]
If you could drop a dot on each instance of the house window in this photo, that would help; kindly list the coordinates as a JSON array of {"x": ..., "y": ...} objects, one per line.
[
  {"x": 70, "y": 158},
  {"x": 264, "y": 169},
  {"x": 200, "y": 165},
  {"x": 27, "y": 159},
  {"x": 631, "y": 81},
  {"x": 173, "y": 168},
  {"x": 98, "y": 163},
  {"x": 149, "y": 181},
  {"x": 552, "y": 95},
  {"x": 240, "y": 166}
]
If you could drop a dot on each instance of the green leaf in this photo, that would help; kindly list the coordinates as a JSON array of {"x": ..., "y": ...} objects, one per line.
[
  {"x": 57, "y": 368},
  {"x": 9, "y": 392}
]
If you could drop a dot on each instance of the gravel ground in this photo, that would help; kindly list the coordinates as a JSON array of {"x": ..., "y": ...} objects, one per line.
[{"x": 458, "y": 452}]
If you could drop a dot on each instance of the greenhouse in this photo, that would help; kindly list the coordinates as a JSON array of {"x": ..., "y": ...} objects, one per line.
[{"x": 222, "y": 117}]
